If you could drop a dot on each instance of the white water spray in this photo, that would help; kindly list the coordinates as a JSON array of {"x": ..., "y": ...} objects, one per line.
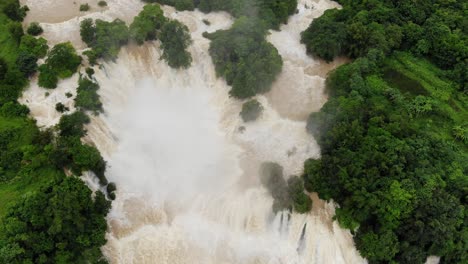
[{"x": 185, "y": 164}]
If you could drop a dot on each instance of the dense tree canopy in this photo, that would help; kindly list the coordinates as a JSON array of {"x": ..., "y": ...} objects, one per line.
[
  {"x": 175, "y": 39},
  {"x": 244, "y": 58},
  {"x": 87, "y": 97},
  {"x": 62, "y": 61},
  {"x": 432, "y": 28},
  {"x": 393, "y": 157},
  {"x": 106, "y": 38},
  {"x": 388, "y": 166},
  {"x": 60, "y": 223},
  {"x": 147, "y": 24},
  {"x": 272, "y": 12}
]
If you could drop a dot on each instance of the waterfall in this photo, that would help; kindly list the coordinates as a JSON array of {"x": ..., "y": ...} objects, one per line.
[{"x": 185, "y": 165}]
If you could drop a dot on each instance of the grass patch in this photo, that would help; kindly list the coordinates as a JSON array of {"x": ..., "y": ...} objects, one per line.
[
  {"x": 8, "y": 50},
  {"x": 416, "y": 76}
]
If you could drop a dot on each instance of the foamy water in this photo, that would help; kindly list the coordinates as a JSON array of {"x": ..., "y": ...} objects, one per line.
[{"x": 185, "y": 165}]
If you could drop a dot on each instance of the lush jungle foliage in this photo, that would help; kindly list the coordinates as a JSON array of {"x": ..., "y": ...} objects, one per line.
[
  {"x": 62, "y": 62},
  {"x": 147, "y": 24},
  {"x": 87, "y": 97},
  {"x": 244, "y": 58},
  {"x": 60, "y": 223},
  {"x": 394, "y": 133},
  {"x": 272, "y": 12},
  {"x": 106, "y": 38},
  {"x": 435, "y": 29},
  {"x": 35, "y": 29},
  {"x": 175, "y": 39},
  {"x": 45, "y": 216}
]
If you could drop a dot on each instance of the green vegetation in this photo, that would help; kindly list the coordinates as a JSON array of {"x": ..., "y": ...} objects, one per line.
[
  {"x": 62, "y": 61},
  {"x": 106, "y": 38},
  {"x": 273, "y": 13},
  {"x": 74, "y": 222},
  {"x": 244, "y": 58},
  {"x": 102, "y": 3},
  {"x": 251, "y": 110},
  {"x": 45, "y": 216},
  {"x": 287, "y": 196},
  {"x": 35, "y": 29},
  {"x": 180, "y": 5},
  {"x": 147, "y": 24},
  {"x": 87, "y": 97},
  {"x": 30, "y": 50},
  {"x": 85, "y": 7},
  {"x": 435, "y": 29},
  {"x": 301, "y": 202},
  {"x": 175, "y": 39},
  {"x": 34, "y": 46},
  {"x": 13, "y": 10},
  {"x": 61, "y": 108},
  {"x": 391, "y": 135},
  {"x": 325, "y": 37},
  {"x": 16, "y": 31},
  {"x": 111, "y": 188}
]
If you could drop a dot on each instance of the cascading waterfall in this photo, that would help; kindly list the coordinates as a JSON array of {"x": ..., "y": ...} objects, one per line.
[{"x": 185, "y": 165}]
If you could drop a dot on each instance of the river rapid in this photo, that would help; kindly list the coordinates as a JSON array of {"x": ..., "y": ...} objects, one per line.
[{"x": 185, "y": 164}]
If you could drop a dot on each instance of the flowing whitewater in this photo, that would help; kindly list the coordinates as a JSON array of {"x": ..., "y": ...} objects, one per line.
[{"x": 185, "y": 165}]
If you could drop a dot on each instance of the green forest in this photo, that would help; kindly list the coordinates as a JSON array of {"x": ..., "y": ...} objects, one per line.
[
  {"x": 394, "y": 133},
  {"x": 45, "y": 216}
]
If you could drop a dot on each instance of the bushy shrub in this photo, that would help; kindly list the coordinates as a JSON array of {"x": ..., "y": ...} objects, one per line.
[
  {"x": 102, "y": 3},
  {"x": 326, "y": 37},
  {"x": 251, "y": 110},
  {"x": 146, "y": 25},
  {"x": 88, "y": 31},
  {"x": 14, "y": 11},
  {"x": 87, "y": 97},
  {"x": 84, "y": 7},
  {"x": 105, "y": 38},
  {"x": 47, "y": 77},
  {"x": 61, "y": 108},
  {"x": 35, "y": 29},
  {"x": 63, "y": 59},
  {"x": 27, "y": 63},
  {"x": 244, "y": 58},
  {"x": 35, "y": 46},
  {"x": 72, "y": 125},
  {"x": 111, "y": 188},
  {"x": 62, "y": 62},
  {"x": 90, "y": 72},
  {"x": 13, "y": 109},
  {"x": 175, "y": 39},
  {"x": 301, "y": 202},
  {"x": 16, "y": 31}
]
